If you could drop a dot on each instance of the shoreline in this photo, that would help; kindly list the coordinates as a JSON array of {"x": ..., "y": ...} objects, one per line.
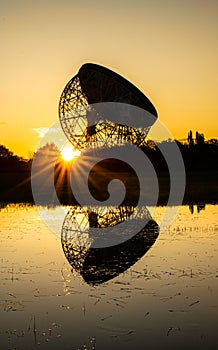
[{"x": 201, "y": 187}]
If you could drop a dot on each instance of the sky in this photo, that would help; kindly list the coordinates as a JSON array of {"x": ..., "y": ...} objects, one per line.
[{"x": 168, "y": 49}]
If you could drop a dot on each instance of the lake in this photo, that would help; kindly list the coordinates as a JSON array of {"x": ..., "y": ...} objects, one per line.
[{"x": 166, "y": 298}]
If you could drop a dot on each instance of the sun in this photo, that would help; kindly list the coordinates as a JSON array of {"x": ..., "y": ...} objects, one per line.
[{"x": 69, "y": 153}]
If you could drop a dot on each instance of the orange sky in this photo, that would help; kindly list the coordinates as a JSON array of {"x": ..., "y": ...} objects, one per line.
[{"x": 168, "y": 49}]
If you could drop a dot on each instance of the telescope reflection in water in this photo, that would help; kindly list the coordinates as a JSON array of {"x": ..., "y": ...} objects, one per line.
[{"x": 98, "y": 265}]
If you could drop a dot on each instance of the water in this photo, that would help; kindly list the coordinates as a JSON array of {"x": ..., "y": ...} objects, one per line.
[{"x": 167, "y": 299}]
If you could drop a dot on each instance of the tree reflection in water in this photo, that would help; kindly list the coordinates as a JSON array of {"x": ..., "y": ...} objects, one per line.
[{"x": 98, "y": 265}]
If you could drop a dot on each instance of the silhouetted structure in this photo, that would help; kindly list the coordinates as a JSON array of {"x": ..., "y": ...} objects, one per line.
[
  {"x": 84, "y": 125},
  {"x": 98, "y": 265}
]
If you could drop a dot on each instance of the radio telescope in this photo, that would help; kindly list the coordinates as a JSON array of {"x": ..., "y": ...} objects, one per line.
[
  {"x": 84, "y": 126},
  {"x": 97, "y": 265}
]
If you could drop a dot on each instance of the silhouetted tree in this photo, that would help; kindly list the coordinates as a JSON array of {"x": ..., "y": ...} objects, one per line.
[
  {"x": 213, "y": 142},
  {"x": 5, "y": 153},
  {"x": 48, "y": 150},
  {"x": 190, "y": 139},
  {"x": 199, "y": 139},
  {"x": 10, "y": 162}
]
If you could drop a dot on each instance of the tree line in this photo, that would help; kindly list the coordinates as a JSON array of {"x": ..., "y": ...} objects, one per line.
[
  {"x": 200, "y": 158},
  {"x": 197, "y": 153}
]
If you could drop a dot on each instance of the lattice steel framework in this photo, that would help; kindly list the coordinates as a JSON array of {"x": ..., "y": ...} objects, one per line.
[
  {"x": 75, "y": 237},
  {"x": 97, "y": 265},
  {"x": 94, "y": 84}
]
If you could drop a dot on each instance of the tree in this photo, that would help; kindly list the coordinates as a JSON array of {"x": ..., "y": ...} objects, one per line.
[
  {"x": 49, "y": 150},
  {"x": 213, "y": 142},
  {"x": 199, "y": 139},
  {"x": 5, "y": 153},
  {"x": 190, "y": 139}
]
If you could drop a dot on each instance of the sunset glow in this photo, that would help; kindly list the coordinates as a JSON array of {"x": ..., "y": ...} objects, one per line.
[
  {"x": 166, "y": 49},
  {"x": 69, "y": 153}
]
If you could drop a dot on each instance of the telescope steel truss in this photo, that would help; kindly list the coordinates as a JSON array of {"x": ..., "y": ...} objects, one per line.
[
  {"x": 75, "y": 237},
  {"x": 76, "y": 112}
]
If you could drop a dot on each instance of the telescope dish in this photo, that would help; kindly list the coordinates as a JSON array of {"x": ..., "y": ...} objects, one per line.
[
  {"x": 98, "y": 265},
  {"x": 81, "y": 121}
]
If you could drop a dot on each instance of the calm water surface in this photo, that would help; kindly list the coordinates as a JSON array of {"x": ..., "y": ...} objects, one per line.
[{"x": 167, "y": 299}]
